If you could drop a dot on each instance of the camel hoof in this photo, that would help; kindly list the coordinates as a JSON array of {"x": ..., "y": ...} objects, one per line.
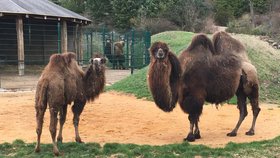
[
  {"x": 190, "y": 138},
  {"x": 250, "y": 133},
  {"x": 37, "y": 149},
  {"x": 79, "y": 140},
  {"x": 197, "y": 135},
  {"x": 59, "y": 139},
  {"x": 231, "y": 134},
  {"x": 56, "y": 152}
]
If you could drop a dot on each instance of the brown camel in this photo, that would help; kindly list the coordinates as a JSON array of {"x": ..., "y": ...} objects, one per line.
[
  {"x": 205, "y": 77},
  {"x": 61, "y": 83},
  {"x": 249, "y": 84},
  {"x": 164, "y": 86},
  {"x": 119, "y": 54}
]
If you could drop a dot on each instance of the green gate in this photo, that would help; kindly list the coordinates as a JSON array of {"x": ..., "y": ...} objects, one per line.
[{"x": 135, "y": 50}]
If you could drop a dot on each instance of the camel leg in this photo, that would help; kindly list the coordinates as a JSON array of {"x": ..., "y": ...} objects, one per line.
[
  {"x": 40, "y": 112},
  {"x": 62, "y": 119},
  {"x": 193, "y": 106},
  {"x": 241, "y": 103},
  {"x": 196, "y": 131},
  {"x": 190, "y": 137},
  {"x": 77, "y": 109},
  {"x": 53, "y": 124},
  {"x": 254, "y": 100},
  {"x": 193, "y": 133}
]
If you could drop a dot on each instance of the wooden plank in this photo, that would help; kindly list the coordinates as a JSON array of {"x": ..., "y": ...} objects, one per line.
[
  {"x": 64, "y": 37},
  {"x": 20, "y": 44}
]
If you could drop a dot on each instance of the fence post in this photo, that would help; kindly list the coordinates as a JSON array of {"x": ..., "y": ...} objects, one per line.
[
  {"x": 103, "y": 38},
  {"x": 64, "y": 37},
  {"x": 132, "y": 50},
  {"x": 58, "y": 37},
  {"x": 91, "y": 48},
  {"x": 88, "y": 46},
  {"x": 126, "y": 38},
  {"x": 20, "y": 42},
  {"x": 80, "y": 41},
  {"x": 147, "y": 46}
]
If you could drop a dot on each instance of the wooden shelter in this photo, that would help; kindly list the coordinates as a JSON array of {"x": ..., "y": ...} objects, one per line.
[{"x": 32, "y": 30}]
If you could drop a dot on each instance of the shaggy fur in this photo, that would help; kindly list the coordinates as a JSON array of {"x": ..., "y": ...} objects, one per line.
[
  {"x": 214, "y": 79},
  {"x": 249, "y": 84},
  {"x": 61, "y": 83},
  {"x": 223, "y": 42},
  {"x": 164, "y": 86}
]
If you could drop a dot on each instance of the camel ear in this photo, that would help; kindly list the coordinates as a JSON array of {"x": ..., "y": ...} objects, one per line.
[{"x": 91, "y": 61}]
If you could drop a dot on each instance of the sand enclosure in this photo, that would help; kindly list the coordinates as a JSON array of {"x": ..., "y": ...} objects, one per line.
[{"x": 116, "y": 117}]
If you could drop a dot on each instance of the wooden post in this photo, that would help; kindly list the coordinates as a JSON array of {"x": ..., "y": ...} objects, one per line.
[
  {"x": 81, "y": 53},
  {"x": 64, "y": 37},
  {"x": 20, "y": 43},
  {"x": 76, "y": 40}
]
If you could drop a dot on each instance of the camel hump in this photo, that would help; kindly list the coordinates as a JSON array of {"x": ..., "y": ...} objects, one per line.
[
  {"x": 223, "y": 43},
  {"x": 201, "y": 40}
]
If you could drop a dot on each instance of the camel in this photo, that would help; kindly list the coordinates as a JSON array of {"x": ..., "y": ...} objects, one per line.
[
  {"x": 163, "y": 60},
  {"x": 249, "y": 84},
  {"x": 61, "y": 83},
  {"x": 205, "y": 77}
]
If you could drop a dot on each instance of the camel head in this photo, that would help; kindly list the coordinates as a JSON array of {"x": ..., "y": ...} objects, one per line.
[
  {"x": 159, "y": 50},
  {"x": 98, "y": 63}
]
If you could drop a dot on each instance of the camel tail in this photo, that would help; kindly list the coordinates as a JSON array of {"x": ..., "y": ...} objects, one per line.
[
  {"x": 41, "y": 95},
  {"x": 201, "y": 40}
]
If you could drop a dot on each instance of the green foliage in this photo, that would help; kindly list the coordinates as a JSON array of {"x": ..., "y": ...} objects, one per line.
[
  {"x": 267, "y": 148},
  {"x": 226, "y": 10},
  {"x": 100, "y": 10},
  {"x": 261, "y": 6},
  {"x": 188, "y": 14},
  {"x": 125, "y": 12},
  {"x": 153, "y": 8},
  {"x": 77, "y": 6}
]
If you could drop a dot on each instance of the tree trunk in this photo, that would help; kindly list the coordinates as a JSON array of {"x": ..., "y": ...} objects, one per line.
[{"x": 252, "y": 13}]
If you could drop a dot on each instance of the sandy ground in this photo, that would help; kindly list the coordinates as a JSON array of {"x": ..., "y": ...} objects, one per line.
[{"x": 120, "y": 118}]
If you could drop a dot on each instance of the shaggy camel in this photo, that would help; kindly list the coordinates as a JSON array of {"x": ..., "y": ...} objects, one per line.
[
  {"x": 61, "y": 83},
  {"x": 205, "y": 77},
  {"x": 163, "y": 60},
  {"x": 249, "y": 84}
]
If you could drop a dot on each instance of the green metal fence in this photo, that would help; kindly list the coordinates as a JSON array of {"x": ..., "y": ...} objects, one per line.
[{"x": 135, "y": 53}]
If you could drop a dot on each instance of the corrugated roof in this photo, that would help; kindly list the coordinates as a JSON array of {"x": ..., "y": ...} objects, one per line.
[{"x": 37, "y": 7}]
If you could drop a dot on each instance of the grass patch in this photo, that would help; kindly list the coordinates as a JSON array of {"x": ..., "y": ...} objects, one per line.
[
  {"x": 268, "y": 148},
  {"x": 265, "y": 58}
]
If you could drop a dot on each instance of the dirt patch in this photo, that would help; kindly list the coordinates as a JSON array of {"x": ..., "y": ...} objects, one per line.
[{"x": 120, "y": 118}]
